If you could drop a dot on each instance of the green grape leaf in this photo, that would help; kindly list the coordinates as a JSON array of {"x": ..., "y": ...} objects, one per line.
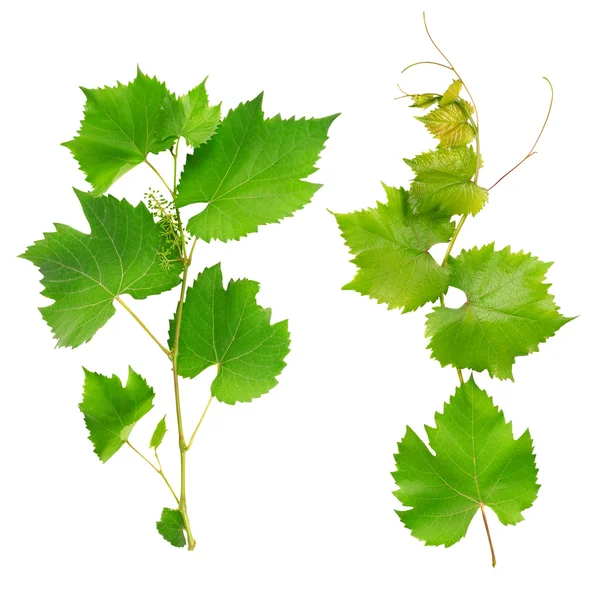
[
  {"x": 227, "y": 328},
  {"x": 451, "y": 94},
  {"x": 443, "y": 183},
  {"x": 189, "y": 116},
  {"x": 84, "y": 272},
  {"x": 476, "y": 462},
  {"x": 159, "y": 433},
  {"x": 251, "y": 172},
  {"x": 424, "y": 100},
  {"x": 508, "y": 311},
  {"x": 171, "y": 527},
  {"x": 450, "y": 124},
  {"x": 391, "y": 245},
  {"x": 111, "y": 410},
  {"x": 118, "y": 130}
]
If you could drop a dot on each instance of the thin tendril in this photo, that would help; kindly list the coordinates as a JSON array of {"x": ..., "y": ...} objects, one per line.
[
  {"x": 451, "y": 66},
  {"x": 425, "y": 62},
  {"x": 533, "y": 150}
]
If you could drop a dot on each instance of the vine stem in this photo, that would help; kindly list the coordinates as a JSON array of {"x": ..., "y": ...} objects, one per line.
[
  {"x": 159, "y": 470},
  {"x": 186, "y": 261},
  {"x": 141, "y": 323},
  {"x": 461, "y": 222},
  {"x": 487, "y": 530},
  {"x": 475, "y": 126}
]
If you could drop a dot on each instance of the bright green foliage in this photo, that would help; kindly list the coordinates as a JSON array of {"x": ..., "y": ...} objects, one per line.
[
  {"x": 85, "y": 272},
  {"x": 247, "y": 171},
  {"x": 424, "y": 100},
  {"x": 171, "y": 527},
  {"x": 473, "y": 460},
  {"x": 227, "y": 328},
  {"x": 477, "y": 462},
  {"x": 251, "y": 172},
  {"x": 111, "y": 410},
  {"x": 119, "y": 129},
  {"x": 159, "y": 433},
  {"x": 189, "y": 116},
  {"x": 508, "y": 311},
  {"x": 450, "y": 124},
  {"x": 443, "y": 183},
  {"x": 451, "y": 94},
  {"x": 391, "y": 246}
]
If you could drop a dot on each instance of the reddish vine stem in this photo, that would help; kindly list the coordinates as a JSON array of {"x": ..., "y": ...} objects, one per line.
[{"x": 489, "y": 537}]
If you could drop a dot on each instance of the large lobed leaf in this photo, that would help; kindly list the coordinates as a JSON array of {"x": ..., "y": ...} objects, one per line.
[
  {"x": 508, "y": 311},
  {"x": 111, "y": 410},
  {"x": 189, "y": 116},
  {"x": 475, "y": 462},
  {"x": 251, "y": 172},
  {"x": 391, "y": 245},
  {"x": 450, "y": 123},
  {"x": 442, "y": 182},
  {"x": 119, "y": 129},
  {"x": 123, "y": 124},
  {"x": 84, "y": 272},
  {"x": 227, "y": 328}
]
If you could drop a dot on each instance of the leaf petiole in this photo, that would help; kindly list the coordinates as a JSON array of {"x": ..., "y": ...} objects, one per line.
[
  {"x": 489, "y": 537},
  {"x": 141, "y": 323},
  {"x": 189, "y": 445},
  {"x": 158, "y": 469}
]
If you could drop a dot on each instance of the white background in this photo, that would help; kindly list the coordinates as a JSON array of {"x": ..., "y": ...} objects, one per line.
[{"x": 290, "y": 496}]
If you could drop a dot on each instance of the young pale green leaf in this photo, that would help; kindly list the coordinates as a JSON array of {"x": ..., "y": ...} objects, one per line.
[
  {"x": 171, "y": 527},
  {"x": 442, "y": 182},
  {"x": 508, "y": 311},
  {"x": 477, "y": 462},
  {"x": 159, "y": 433},
  {"x": 227, "y": 328},
  {"x": 451, "y": 94},
  {"x": 111, "y": 410},
  {"x": 251, "y": 172},
  {"x": 450, "y": 124},
  {"x": 189, "y": 116},
  {"x": 85, "y": 272},
  {"x": 118, "y": 130},
  {"x": 424, "y": 100},
  {"x": 391, "y": 245}
]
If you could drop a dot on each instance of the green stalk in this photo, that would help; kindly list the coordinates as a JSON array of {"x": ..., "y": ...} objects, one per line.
[
  {"x": 185, "y": 261},
  {"x": 182, "y": 443},
  {"x": 174, "y": 355}
]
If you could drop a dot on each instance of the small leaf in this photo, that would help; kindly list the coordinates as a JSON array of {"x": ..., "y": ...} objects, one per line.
[
  {"x": 118, "y": 130},
  {"x": 392, "y": 246},
  {"x": 85, "y": 272},
  {"x": 508, "y": 311},
  {"x": 251, "y": 172},
  {"x": 111, "y": 410},
  {"x": 171, "y": 527},
  {"x": 159, "y": 433},
  {"x": 451, "y": 94},
  {"x": 424, "y": 100},
  {"x": 442, "y": 182},
  {"x": 450, "y": 124},
  {"x": 477, "y": 462},
  {"x": 227, "y": 328},
  {"x": 189, "y": 116}
]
